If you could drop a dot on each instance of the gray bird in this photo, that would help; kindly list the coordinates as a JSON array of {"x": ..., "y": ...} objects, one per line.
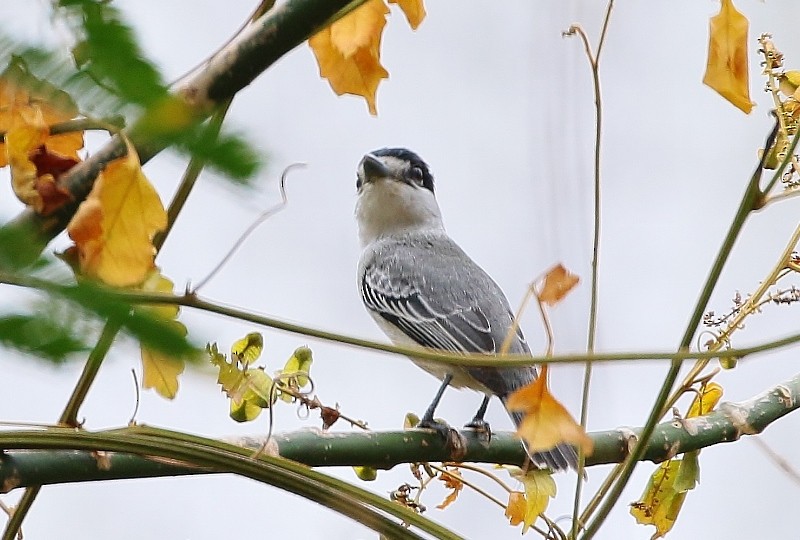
[{"x": 422, "y": 289}]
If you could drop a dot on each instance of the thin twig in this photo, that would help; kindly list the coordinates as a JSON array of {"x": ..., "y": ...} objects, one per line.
[
  {"x": 778, "y": 460},
  {"x": 594, "y": 61},
  {"x": 132, "y": 421},
  {"x": 512, "y": 331},
  {"x": 268, "y": 213}
]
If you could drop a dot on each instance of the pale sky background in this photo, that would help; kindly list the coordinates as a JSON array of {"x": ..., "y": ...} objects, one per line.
[{"x": 501, "y": 107}]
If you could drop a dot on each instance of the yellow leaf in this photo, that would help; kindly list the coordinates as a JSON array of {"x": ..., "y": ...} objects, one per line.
[
  {"x": 158, "y": 282},
  {"x": 414, "y": 11},
  {"x": 294, "y": 375},
  {"x": 547, "y": 422},
  {"x": 256, "y": 387},
  {"x": 300, "y": 364},
  {"x": 348, "y": 52},
  {"x": 452, "y": 481},
  {"x": 244, "y": 411},
  {"x": 248, "y": 349},
  {"x": 557, "y": 284},
  {"x": 706, "y": 400},
  {"x": 114, "y": 228},
  {"x": 160, "y": 372},
  {"x": 727, "y": 67},
  {"x": 251, "y": 395},
  {"x": 661, "y": 501},
  {"x": 539, "y": 489},
  {"x": 789, "y": 82},
  {"x": 248, "y": 389},
  {"x": 22, "y": 138},
  {"x": 230, "y": 374}
]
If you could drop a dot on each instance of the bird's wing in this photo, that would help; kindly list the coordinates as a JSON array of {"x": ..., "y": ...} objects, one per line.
[{"x": 429, "y": 319}]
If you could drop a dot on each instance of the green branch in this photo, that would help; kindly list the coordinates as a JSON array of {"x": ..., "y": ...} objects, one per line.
[
  {"x": 349, "y": 500},
  {"x": 21, "y": 467}
]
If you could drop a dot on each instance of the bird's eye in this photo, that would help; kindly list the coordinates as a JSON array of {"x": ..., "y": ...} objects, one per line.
[
  {"x": 358, "y": 183},
  {"x": 415, "y": 173}
]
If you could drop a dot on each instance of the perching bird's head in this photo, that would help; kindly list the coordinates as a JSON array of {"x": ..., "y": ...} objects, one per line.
[{"x": 395, "y": 195}]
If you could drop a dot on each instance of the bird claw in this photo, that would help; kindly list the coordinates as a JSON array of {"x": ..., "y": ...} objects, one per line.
[
  {"x": 481, "y": 427},
  {"x": 455, "y": 442}
]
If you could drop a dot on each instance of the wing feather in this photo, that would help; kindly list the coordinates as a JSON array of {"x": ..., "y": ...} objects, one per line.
[{"x": 427, "y": 320}]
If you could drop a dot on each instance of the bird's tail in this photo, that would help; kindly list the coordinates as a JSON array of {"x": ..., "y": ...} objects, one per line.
[{"x": 562, "y": 457}]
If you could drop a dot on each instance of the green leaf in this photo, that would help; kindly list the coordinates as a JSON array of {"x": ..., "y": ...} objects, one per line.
[
  {"x": 248, "y": 349},
  {"x": 151, "y": 331},
  {"x": 688, "y": 472},
  {"x": 367, "y": 474},
  {"x": 228, "y": 154},
  {"x": 110, "y": 52},
  {"x": 40, "y": 336},
  {"x": 52, "y": 76}
]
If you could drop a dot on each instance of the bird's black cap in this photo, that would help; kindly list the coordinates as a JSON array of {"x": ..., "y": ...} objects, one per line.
[{"x": 413, "y": 159}]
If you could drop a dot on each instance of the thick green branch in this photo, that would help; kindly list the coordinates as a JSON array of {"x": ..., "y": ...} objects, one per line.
[
  {"x": 21, "y": 466},
  {"x": 349, "y": 500}
]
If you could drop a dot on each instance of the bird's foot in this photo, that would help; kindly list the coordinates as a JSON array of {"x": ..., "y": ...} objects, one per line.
[
  {"x": 481, "y": 427},
  {"x": 455, "y": 443}
]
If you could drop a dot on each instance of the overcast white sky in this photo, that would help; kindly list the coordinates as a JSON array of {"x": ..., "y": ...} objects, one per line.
[{"x": 500, "y": 106}]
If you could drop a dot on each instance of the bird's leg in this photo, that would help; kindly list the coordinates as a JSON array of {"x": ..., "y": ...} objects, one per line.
[
  {"x": 427, "y": 418},
  {"x": 453, "y": 440},
  {"x": 480, "y": 425}
]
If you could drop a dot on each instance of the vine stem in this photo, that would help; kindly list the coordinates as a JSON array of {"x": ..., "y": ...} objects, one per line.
[
  {"x": 443, "y": 357},
  {"x": 594, "y": 62}
]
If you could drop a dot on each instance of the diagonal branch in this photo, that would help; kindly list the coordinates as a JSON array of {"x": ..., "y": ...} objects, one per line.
[{"x": 234, "y": 67}]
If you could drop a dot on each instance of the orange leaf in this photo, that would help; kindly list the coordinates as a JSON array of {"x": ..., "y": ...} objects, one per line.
[
  {"x": 414, "y": 11},
  {"x": 114, "y": 228},
  {"x": 17, "y": 104},
  {"x": 36, "y": 159},
  {"x": 348, "y": 52},
  {"x": 452, "y": 480},
  {"x": 547, "y": 422},
  {"x": 557, "y": 284},
  {"x": 515, "y": 509},
  {"x": 727, "y": 68}
]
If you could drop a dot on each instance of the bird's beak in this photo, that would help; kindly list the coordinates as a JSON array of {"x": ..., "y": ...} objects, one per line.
[{"x": 374, "y": 168}]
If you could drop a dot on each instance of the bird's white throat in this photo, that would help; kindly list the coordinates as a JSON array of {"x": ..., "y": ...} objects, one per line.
[{"x": 387, "y": 207}]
